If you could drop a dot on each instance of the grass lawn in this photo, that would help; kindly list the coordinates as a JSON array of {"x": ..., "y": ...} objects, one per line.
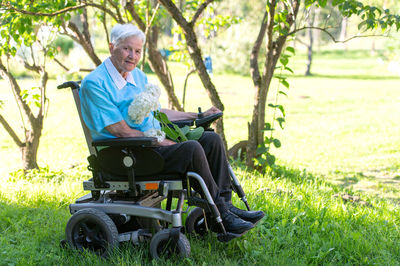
[{"x": 333, "y": 200}]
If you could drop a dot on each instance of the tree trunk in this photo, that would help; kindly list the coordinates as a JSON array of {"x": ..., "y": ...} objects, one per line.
[
  {"x": 310, "y": 45},
  {"x": 157, "y": 63},
  {"x": 262, "y": 83},
  {"x": 29, "y": 150},
  {"x": 33, "y": 124},
  {"x": 254, "y": 134},
  {"x": 343, "y": 31},
  {"x": 195, "y": 55}
]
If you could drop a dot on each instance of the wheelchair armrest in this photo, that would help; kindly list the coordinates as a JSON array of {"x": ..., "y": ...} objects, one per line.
[
  {"x": 182, "y": 123},
  {"x": 126, "y": 142}
]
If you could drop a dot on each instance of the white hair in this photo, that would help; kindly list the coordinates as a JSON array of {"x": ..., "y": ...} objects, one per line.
[{"x": 122, "y": 31}]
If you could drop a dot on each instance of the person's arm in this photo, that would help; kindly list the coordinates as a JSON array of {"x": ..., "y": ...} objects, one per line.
[
  {"x": 174, "y": 115},
  {"x": 122, "y": 130}
]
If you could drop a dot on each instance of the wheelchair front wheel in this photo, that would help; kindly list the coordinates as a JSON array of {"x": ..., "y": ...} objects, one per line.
[
  {"x": 91, "y": 229},
  {"x": 195, "y": 222},
  {"x": 163, "y": 245}
]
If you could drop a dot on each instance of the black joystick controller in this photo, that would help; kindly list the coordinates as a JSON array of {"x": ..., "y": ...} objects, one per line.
[{"x": 205, "y": 121}]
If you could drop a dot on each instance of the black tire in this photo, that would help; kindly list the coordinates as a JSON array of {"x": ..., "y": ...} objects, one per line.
[
  {"x": 91, "y": 229},
  {"x": 195, "y": 223},
  {"x": 162, "y": 245}
]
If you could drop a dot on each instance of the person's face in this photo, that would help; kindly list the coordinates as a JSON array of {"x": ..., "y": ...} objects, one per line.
[{"x": 126, "y": 54}]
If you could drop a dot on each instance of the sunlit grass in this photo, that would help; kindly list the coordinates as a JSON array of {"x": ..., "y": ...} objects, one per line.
[
  {"x": 307, "y": 222},
  {"x": 340, "y": 157}
]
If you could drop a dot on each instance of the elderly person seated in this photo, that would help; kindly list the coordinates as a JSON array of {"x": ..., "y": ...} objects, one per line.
[{"x": 106, "y": 94}]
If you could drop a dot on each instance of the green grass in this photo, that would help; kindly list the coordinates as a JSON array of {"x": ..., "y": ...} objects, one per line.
[
  {"x": 334, "y": 200},
  {"x": 306, "y": 223}
]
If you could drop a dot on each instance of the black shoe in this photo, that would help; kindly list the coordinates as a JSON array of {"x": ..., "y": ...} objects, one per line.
[
  {"x": 234, "y": 224},
  {"x": 250, "y": 216}
]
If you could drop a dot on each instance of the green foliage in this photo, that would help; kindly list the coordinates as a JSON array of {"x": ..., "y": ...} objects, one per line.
[
  {"x": 175, "y": 133},
  {"x": 265, "y": 160},
  {"x": 63, "y": 44},
  {"x": 211, "y": 24}
]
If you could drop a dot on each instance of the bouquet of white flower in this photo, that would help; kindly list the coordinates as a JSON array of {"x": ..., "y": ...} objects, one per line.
[
  {"x": 142, "y": 105},
  {"x": 146, "y": 102}
]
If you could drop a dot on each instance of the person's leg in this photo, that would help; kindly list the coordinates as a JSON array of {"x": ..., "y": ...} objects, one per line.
[
  {"x": 190, "y": 156},
  {"x": 215, "y": 152}
]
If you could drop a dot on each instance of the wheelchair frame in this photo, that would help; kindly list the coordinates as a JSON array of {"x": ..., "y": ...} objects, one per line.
[{"x": 113, "y": 203}]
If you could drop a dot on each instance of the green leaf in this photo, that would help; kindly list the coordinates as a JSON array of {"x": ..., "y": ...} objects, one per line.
[
  {"x": 195, "y": 134},
  {"x": 282, "y": 109},
  {"x": 277, "y": 143},
  {"x": 284, "y": 60},
  {"x": 290, "y": 49},
  {"x": 289, "y": 69},
  {"x": 267, "y": 127},
  {"x": 185, "y": 130},
  {"x": 171, "y": 134},
  {"x": 322, "y": 3},
  {"x": 280, "y": 120},
  {"x": 285, "y": 83},
  {"x": 270, "y": 159},
  {"x": 261, "y": 150},
  {"x": 282, "y": 92},
  {"x": 181, "y": 136}
]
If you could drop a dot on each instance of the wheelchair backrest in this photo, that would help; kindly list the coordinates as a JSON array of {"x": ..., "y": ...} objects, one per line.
[{"x": 75, "y": 92}]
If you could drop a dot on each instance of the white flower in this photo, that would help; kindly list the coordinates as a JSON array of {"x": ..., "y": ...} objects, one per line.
[
  {"x": 144, "y": 103},
  {"x": 153, "y": 89},
  {"x": 156, "y": 133}
]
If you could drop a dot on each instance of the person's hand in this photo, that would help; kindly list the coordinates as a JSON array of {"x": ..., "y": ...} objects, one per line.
[
  {"x": 166, "y": 142},
  {"x": 211, "y": 111}
]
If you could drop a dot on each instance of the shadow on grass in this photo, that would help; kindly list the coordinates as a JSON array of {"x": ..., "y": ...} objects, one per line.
[{"x": 308, "y": 226}]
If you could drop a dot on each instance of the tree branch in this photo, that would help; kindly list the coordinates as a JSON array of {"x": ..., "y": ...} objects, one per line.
[
  {"x": 325, "y": 30},
  {"x": 11, "y": 132},
  {"x": 200, "y": 10},
  {"x": 59, "y": 12},
  {"x": 136, "y": 17},
  {"x": 254, "y": 70},
  {"x": 17, "y": 92},
  {"x": 176, "y": 14},
  {"x": 68, "y": 69},
  {"x": 115, "y": 6}
]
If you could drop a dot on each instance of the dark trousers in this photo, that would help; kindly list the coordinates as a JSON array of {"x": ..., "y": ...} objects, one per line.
[{"x": 205, "y": 157}]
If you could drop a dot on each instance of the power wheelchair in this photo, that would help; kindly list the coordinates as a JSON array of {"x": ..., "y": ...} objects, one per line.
[{"x": 127, "y": 193}]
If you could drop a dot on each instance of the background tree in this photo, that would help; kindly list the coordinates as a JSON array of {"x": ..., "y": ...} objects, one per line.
[
  {"x": 277, "y": 25},
  {"x": 72, "y": 20},
  {"x": 191, "y": 40},
  {"x": 28, "y": 41}
]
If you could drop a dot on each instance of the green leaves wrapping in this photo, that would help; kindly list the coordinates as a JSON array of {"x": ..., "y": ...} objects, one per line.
[{"x": 175, "y": 133}]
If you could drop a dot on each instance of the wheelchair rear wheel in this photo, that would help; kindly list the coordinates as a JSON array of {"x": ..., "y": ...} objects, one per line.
[
  {"x": 195, "y": 222},
  {"x": 165, "y": 245},
  {"x": 91, "y": 229}
]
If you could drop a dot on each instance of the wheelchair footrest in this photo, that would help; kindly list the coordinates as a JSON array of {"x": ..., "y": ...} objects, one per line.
[{"x": 202, "y": 203}]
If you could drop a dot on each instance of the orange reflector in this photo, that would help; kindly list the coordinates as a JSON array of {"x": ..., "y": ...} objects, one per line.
[{"x": 151, "y": 186}]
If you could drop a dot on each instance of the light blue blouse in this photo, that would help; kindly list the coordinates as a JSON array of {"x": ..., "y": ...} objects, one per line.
[{"x": 105, "y": 98}]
